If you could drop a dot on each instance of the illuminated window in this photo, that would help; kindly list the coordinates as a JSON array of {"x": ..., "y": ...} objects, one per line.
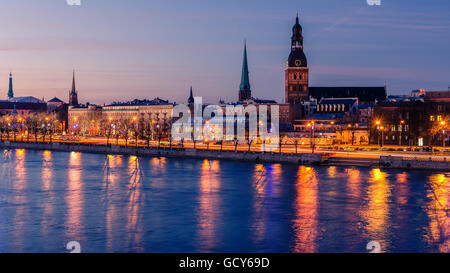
[
  {"x": 439, "y": 118},
  {"x": 420, "y": 141},
  {"x": 431, "y": 118}
]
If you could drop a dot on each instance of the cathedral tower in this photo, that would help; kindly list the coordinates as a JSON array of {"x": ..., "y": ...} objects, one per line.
[{"x": 297, "y": 71}]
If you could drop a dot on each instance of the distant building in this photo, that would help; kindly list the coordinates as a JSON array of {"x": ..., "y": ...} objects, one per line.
[
  {"x": 85, "y": 120},
  {"x": 61, "y": 110},
  {"x": 437, "y": 96},
  {"x": 147, "y": 117},
  {"x": 73, "y": 94},
  {"x": 366, "y": 95},
  {"x": 22, "y": 106}
]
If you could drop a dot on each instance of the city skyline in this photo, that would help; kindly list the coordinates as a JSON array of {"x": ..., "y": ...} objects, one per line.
[{"x": 179, "y": 50}]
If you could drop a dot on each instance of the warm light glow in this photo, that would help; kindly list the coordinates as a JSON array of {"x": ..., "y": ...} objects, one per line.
[
  {"x": 376, "y": 213},
  {"x": 306, "y": 207},
  {"x": 208, "y": 204},
  {"x": 437, "y": 209}
]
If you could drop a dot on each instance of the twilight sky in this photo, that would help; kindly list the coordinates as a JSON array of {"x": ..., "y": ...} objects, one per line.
[{"x": 125, "y": 49}]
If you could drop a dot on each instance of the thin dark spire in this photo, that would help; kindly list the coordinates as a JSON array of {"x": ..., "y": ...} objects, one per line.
[
  {"x": 73, "y": 82},
  {"x": 191, "y": 97}
]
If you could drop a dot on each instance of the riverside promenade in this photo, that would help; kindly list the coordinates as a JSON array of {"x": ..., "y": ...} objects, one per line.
[
  {"x": 349, "y": 159},
  {"x": 301, "y": 158}
]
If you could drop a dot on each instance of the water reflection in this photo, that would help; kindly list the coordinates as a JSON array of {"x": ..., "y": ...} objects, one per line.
[
  {"x": 110, "y": 188},
  {"x": 259, "y": 183},
  {"x": 306, "y": 209},
  {"x": 159, "y": 171},
  {"x": 209, "y": 205},
  {"x": 74, "y": 198},
  {"x": 136, "y": 200},
  {"x": 438, "y": 211},
  {"x": 353, "y": 204},
  {"x": 274, "y": 172},
  {"x": 376, "y": 213},
  {"x": 47, "y": 188},
  {"x": 117, "y": 204},
  {"x": 20, "y": 198}
]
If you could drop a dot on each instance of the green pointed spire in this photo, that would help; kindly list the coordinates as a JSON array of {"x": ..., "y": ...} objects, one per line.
[
  {"x": 245, "y": 92},
  {"x": 245, "y": 81},
  {"x": 10, "y": 91}
]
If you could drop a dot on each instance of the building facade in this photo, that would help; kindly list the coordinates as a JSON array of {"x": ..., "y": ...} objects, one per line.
[{"x": 422, "y": 121}]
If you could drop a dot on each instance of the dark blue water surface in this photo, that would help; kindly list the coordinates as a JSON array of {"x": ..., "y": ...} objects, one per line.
[{"x": 112, "y": 203}]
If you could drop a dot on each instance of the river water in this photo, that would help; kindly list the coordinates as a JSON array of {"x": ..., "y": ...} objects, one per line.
[{"x": 113, "y": 203}]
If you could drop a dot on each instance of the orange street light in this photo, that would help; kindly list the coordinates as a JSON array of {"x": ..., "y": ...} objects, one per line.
[{"x": 377, "y": 122}]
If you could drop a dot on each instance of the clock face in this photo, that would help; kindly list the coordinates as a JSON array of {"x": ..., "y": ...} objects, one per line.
[{"x": 298, "y": 62}]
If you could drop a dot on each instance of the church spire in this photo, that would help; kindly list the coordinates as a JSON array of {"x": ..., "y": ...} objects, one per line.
[
  {"x": 191, "y": 97},
  {"x": 10, "y": 91},
  {"x": 73, "y": 94},
  {"x": 244, "y": 88},
  {"x": 73, "y": 82}
]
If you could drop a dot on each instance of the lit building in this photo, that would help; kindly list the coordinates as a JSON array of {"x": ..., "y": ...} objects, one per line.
[{"x": 85, "y": 120}]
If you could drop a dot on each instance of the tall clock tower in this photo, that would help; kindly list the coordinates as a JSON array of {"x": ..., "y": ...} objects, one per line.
[{"x": 297, "y": 71}]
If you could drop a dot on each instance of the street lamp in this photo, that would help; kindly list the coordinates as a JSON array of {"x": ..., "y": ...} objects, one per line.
[
  {"x": 443, "y": 123},
  {"x": 400, "y": 131},
  {"x": 378, "y": 123},
  {"x": 311, "y": 134}
]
